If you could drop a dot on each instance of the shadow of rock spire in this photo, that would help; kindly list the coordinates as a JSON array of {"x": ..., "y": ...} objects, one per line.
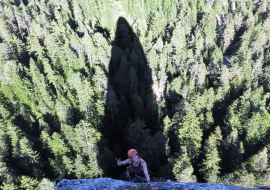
[{"x": 129, "y": 96}]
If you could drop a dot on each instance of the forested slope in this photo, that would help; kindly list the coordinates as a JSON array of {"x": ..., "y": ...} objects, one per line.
[{"x": 186, "y": 83}]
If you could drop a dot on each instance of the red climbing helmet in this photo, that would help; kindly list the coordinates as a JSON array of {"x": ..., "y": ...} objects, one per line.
[{"x": 131, "y": 152}]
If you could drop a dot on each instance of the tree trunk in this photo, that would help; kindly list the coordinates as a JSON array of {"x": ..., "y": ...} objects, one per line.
[
  {"x": 99, "y": 90},
  {"x": 19, "y": 26},
  {"x": 86, "y": 138},
  {"x": 218, "y": 19},
  {"x": 233, "y": 6}
]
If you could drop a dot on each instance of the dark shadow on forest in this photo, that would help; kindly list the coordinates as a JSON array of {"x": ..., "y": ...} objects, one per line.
[{"x": 129, "y": 94}]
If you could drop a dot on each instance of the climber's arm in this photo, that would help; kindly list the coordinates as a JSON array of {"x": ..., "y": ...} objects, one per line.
[
  {"x": 119, "y": 162},
  {"x": 145, "y": 171}
]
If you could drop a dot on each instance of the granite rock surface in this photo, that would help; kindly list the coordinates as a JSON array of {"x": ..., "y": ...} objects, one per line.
[{"x": 112, "y": 184}]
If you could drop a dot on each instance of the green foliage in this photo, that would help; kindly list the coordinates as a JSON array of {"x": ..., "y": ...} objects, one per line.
[
  {"x": 167, "y": 125},
  {"x": 3, "y": 141},
  {"x": 258, "y": 128},
  {"x": 137, "y": 132},
  {"x": 139, "y": 109},
  {"x": 149, "y": 151},
  {"x": 59, "y": 149},
  {"x": 4, "y": 32},
  {"x": 190, "y": 135},
  {"x": 9, "y": 184},
  {"x": 183, "y": 169},
  {"x": 56, "y": 144},
  {"x": 246, "y": 179},
  {"x": 210, "y": 165},
  {"x": 28, "y": 183},
  {"x": 74, "y": 77},
  {"x": 217, "y": 56},
  {"x": 46, "y": 184}
]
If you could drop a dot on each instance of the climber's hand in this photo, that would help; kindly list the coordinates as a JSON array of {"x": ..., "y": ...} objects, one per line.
[{"x": 118, "y": 161}]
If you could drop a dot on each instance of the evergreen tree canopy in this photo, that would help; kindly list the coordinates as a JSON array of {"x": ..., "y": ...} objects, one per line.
[{"x": 186, "y": 83}]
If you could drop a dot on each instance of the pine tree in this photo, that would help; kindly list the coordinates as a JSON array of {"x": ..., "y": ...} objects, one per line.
[
  {"x": 139, "y": 109},
  {"x": 199, "y": 43},
  {"x": 166, "y": 171},
  {"x": 244, "y": 53},
  {"x": 100, "y": 108},
  {"x": 244, "y": 111},
  {"x": 46, "y": 184},
  {"x": 261, "y": 161},
  {"x": 50, "y": 75},
  {"x": 28, "y": 183},
  {"x": 101, "y": 81},
  {"x": 4, "y": 147},
  {"x": 28, "y": 157},
  {"x": 179, "y": 47},
  {"x": 76, "y": 44},
  {"x": 42, "y": 89},
  {"x": 153, "y": 61},
  {"x": 107, "y": 15},
  {"x": 9, "y": 184},
  {"x": 84, "y": 92},
  {"x": 209, "y": 27},
  {"x": 89, "y": 9},
  {"x": 245, "y": 178},
  {"x": 4, "y": 33},
  {"x": 176, "y": 84},
  {"x": 103, "y": 49},
  {"x": 158, "y": 23},
  {"x": 5, "y": 172},
  {"x": 58, "y": 148},
  {"x": 183, "y": 169},
  {"x": 228, "y": 34},
  {"x": 257, "y": 128},
  {"x": 20, "y": 20},
  {"x": 78, "y": 15},
  {"x": 137, "y": 132},
  {"x": 80, "y": 167},
  {"x": 22, "y": 150},
  {"x": 217, "y": 56},
  {"x": 232, "y": 151},
  {"x": 167, "y": 126},
  {"x": 112, "y": 104},
  {"x": 190, "y": 135},
  {"x": 21, "y": 89},
  {"x": 88, "y": 138},
  {"x": 162, "y": 77},
  {"x": 133, "y": 79},
  {"x": 123, "y": 113},
  {"x": 61, "y": 109},
  {"x": 89, "y": 49},
  {"x": 162, "y": 145},
  {"x": 149, "y": 151},
  {"x": 122, "y": 76},
  {"x": 210, "y": 165},
  {"x": 33, "y": 45}
]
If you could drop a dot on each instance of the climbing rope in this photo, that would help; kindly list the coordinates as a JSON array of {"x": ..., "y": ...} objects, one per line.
[{"x": 151, "y": 182}]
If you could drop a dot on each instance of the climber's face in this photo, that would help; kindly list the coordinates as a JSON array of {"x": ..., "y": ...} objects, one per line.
[{"x": 134, "y": 158}]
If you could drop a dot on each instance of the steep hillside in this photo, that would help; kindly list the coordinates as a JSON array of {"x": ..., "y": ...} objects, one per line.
[{"x": 184, "y": 82}]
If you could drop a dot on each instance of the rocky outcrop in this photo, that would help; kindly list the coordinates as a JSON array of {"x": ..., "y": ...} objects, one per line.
[{"x": 112, "y": 184}]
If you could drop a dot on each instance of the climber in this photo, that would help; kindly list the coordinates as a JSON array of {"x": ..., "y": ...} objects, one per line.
[{"x": 136, "y": 166}]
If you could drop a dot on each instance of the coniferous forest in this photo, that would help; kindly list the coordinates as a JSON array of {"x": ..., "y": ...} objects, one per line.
[{"x": 184, "y": 82}]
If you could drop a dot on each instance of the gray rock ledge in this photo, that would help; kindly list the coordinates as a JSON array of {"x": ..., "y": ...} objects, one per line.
[{"x": 112, "y": 184}]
